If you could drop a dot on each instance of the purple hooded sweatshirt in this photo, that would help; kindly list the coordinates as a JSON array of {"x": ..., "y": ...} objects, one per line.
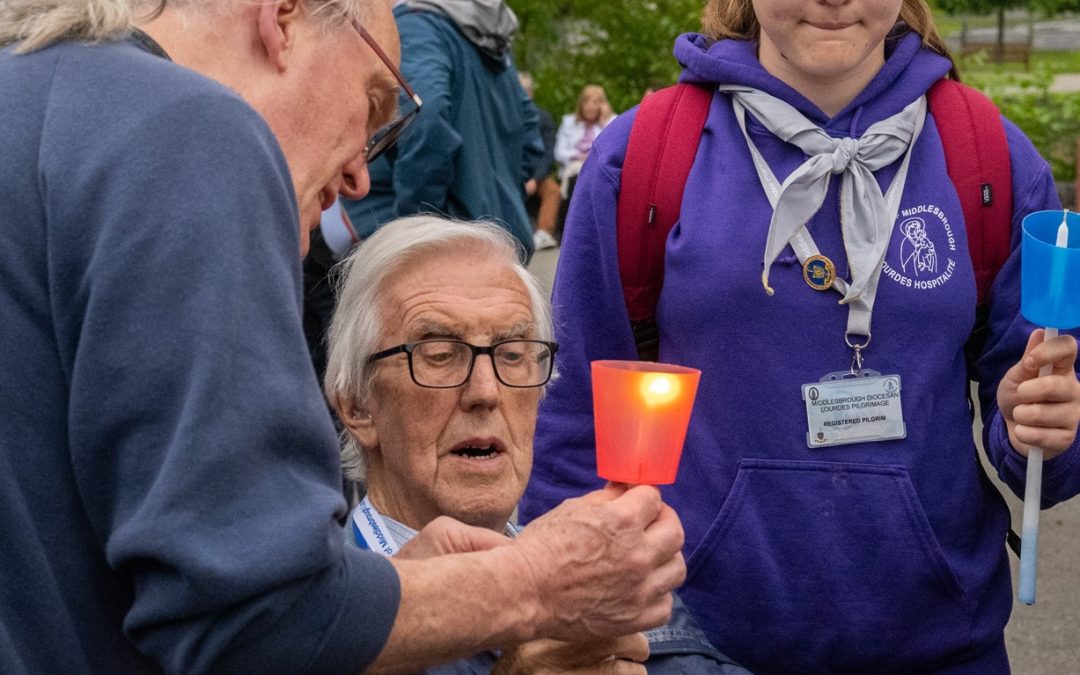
[{"x": 884, "y": 557}]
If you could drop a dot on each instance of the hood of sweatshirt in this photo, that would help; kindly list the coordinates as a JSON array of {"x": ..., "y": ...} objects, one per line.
[
  {"x": 908, "y": 73},
  {"x": 488, "y": 24}
]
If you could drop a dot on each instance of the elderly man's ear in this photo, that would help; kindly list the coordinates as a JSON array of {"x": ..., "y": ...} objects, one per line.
[
  {"x": 359, "y": 423},
  {"x": 277, "y": 29}
]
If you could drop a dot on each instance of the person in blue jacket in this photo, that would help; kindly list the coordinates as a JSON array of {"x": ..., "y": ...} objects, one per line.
[
  {"x": 478, "y": 141},
  {"x": 169, "y": 474},
  {"x": 436, "y": 428},
  {"x": 822, "y": 537}
]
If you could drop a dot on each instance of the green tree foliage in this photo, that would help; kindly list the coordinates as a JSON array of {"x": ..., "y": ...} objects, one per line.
[
  {"x": 982, "y": 7},
  {"x": 1052, "y": 7},
  {"x": 623, "y": 46},
  {"x": 979, "y": 6},
  {"x": 626, "y": 47}
]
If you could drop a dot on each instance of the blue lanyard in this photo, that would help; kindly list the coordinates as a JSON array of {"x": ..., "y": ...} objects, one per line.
[{"x": 369, "y": 528}]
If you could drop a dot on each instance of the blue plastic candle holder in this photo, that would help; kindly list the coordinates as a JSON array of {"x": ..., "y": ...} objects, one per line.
[{"x": 1050, "y": 275}]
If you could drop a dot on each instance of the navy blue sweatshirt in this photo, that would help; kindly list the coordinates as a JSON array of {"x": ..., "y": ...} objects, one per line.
[{"x": 169, "y": 481}]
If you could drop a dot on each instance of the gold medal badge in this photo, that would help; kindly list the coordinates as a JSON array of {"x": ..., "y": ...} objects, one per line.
[{"x": 819, "y": 272}]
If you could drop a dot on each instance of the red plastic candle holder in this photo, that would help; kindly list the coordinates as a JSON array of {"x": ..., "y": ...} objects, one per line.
[{"x": 641, "y": 410}]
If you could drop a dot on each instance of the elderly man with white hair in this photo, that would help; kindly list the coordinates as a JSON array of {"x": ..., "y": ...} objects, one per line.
[
  {"x": 169, "y": 473},
  {"x": 439, "y": 353}
]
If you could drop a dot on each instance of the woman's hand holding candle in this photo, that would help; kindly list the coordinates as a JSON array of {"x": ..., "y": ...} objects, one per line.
[
  {"x": 1043, "y": 412},
  {"x": 1040, "y": 397}
]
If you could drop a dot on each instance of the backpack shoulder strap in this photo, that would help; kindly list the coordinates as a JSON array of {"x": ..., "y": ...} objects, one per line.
[
  {"x": 662, "y": 146},
  {"x": 977, "y": 159}
]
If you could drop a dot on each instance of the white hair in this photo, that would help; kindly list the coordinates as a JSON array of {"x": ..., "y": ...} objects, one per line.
[
  {"x": 38, "y": 23},
  {"x": 362, "y": 278}
]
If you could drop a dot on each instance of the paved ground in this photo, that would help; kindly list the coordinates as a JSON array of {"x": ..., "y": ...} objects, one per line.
[
  {"x": 1043, "y": 639},
  {"x": 1066, "y": 83}
]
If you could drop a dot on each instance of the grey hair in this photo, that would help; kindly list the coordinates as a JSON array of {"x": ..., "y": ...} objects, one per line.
[
  {"x": 38, "y": 23},
  {"x": 361, "y": 280}
]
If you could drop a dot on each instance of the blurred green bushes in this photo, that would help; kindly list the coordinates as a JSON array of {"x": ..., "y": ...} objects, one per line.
[{"x": 1050, "y": 119}]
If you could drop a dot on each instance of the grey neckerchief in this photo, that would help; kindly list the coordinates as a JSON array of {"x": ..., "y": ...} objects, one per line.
[
  {"x": 866, "y": 220},
  {"x": 488, "y": 24}
]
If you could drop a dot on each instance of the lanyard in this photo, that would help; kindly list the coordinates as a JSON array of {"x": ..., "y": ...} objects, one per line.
[
  {"x": 148, "y": 44},
  {"x": 861, "y": 308},
  {"x": 370, "y": 528}
]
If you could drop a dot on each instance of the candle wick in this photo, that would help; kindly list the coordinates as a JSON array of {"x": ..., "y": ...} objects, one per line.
[{"x": 1063, "y": 231}]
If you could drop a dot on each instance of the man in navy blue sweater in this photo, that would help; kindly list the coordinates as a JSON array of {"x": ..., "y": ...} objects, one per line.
[{"x": 169, "y": 481}]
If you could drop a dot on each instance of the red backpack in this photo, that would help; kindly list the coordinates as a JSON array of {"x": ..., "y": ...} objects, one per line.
[
  {"x": 664, "y": 141},
  {"x": 663, "y": 144}
]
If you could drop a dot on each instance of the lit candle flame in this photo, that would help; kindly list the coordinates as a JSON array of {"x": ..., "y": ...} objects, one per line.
[{"x": 659, "y": 389}]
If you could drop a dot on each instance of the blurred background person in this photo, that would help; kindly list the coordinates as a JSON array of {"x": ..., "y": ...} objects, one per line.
[
  {"x": 471, "y": 152},
  {"x": 542, "y": 193},
  {"x": 577, "y": 131}
]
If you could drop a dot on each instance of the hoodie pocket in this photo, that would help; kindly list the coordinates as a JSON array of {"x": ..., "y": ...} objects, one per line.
[{"x": 824, "y": 567}]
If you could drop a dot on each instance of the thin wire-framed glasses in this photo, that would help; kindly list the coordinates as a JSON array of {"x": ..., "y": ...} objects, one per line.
[
  {"x": 445, "y": 364},
  {"x": 382, "y": 139}
]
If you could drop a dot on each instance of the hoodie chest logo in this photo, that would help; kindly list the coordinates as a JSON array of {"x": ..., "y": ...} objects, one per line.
[{"x": 922, "y": 255}]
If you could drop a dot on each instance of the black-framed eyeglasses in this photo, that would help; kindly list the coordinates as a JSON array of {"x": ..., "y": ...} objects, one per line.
[
  {"x": 445, "y": 364},
  {"x": 382, "y": 139}
]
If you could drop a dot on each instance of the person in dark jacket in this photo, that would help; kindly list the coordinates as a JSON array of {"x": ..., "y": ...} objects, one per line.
[{"x": 477, "y": 143}]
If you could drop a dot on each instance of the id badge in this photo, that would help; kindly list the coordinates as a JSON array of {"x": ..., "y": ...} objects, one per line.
[{"x": 850, "y": 407}]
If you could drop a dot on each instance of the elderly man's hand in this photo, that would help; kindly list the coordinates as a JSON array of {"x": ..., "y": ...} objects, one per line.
[
  {"x": 603, "y": 565},
  {"x": 446, "y": 535},
  {"x": 610, "y": 656}
]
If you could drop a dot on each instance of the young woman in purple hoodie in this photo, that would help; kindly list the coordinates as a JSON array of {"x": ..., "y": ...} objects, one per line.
[{"x": 831, "y": 525}]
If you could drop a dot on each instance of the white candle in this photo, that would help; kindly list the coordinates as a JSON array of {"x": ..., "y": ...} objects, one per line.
[{"x": 1029, "y": 533}]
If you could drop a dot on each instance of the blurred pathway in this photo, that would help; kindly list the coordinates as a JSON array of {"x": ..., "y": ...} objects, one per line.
[
  {"x": 1060, "y": 34},
  {"x": 1065, "y": 83}
]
